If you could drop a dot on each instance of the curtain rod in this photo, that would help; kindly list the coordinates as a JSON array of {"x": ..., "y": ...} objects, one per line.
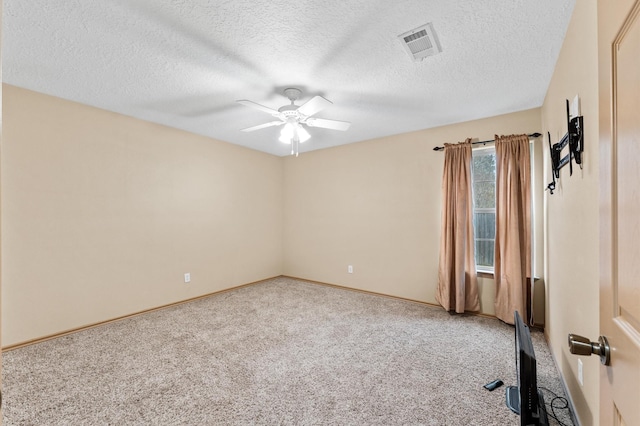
[{"x": 532, "y": 135}]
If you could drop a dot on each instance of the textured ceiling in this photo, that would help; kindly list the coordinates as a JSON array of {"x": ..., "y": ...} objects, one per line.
[{"x": 184, "y": 63}]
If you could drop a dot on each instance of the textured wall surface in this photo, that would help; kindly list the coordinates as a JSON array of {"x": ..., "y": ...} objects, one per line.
[
  {"x": 376, "y": 205},
  {"x": 571, "y": 214},
  {"x": 102, "y": 215}
]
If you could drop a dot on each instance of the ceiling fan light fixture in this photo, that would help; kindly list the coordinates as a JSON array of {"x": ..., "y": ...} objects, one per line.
[
  {"x": 286, "y": 134},
  {"x": 294, "y": 132},
  {"x": 303, "y": 135},
  {"x": 292, "y": 117}
]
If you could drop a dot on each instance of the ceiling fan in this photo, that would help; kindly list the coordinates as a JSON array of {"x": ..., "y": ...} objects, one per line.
[{"x": 295, "y": 116}]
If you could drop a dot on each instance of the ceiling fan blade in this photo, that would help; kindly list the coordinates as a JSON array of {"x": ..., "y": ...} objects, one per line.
[
  {"x": 315, "y": 104},
  {"x": 328, "y": 124},
  {"x": 262, "y": 126},
  {"x": 258, "y": 106}
]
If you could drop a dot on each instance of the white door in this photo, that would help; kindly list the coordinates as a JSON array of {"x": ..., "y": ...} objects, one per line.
[
  {"x": 0, "y": 206},
  {"x": 619, "y": 88}
]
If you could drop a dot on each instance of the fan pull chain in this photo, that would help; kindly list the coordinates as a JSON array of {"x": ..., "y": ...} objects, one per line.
[{"x": 295, "y": 146}]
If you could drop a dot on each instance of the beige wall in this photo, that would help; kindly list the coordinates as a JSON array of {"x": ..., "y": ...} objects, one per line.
[
  {"x": 103, "y": 214},
  {"x": 376, "y": 205},
  {"x": 571, "y": 214}
]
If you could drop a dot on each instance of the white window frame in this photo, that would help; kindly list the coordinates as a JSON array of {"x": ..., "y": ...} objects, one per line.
[{"x": 485, "y": 150}]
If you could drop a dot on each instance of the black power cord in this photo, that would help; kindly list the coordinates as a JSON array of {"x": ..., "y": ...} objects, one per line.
[{"x": 563, "y": 405}]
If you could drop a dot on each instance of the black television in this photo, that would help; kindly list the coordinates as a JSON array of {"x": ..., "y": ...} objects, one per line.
[{"x": 525, "y": 399}]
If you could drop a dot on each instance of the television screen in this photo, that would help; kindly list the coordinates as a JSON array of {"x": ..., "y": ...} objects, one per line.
[{"x": 525, "y": 399}]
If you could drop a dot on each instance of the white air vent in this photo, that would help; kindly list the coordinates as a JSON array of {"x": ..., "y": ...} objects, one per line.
[{"x": 421, "y": 42}]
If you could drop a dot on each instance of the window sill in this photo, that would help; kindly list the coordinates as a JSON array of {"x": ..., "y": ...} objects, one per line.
[
  {"x": 485, "y": 274},
  {"x": 489, "y": 274}
]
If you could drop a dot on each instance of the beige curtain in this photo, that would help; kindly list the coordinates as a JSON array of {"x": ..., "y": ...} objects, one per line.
[
  {"x": 512, "y": 263},
  {"x": 457, "y": 283}
]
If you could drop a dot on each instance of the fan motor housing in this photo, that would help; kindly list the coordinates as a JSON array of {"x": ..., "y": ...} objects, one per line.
[
  {"x": 292, "y": 93},
  {"x": 288, "y": 110}
]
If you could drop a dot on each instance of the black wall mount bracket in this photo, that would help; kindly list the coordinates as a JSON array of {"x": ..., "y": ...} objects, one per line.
[{"x": 574, "y": 138}]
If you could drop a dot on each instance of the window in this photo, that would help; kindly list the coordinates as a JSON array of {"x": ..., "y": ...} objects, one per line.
[{"x": 483, "y": 175}]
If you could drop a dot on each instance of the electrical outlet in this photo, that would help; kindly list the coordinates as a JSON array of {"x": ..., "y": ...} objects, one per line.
[
  {"x": 187, "y": 277},
  {"x": 580, "y": 376},
  {"x": 350, "y": 269}
]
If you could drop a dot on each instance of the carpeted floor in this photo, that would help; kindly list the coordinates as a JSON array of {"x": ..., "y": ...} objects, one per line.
[{"x": 278, "y": 352}]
